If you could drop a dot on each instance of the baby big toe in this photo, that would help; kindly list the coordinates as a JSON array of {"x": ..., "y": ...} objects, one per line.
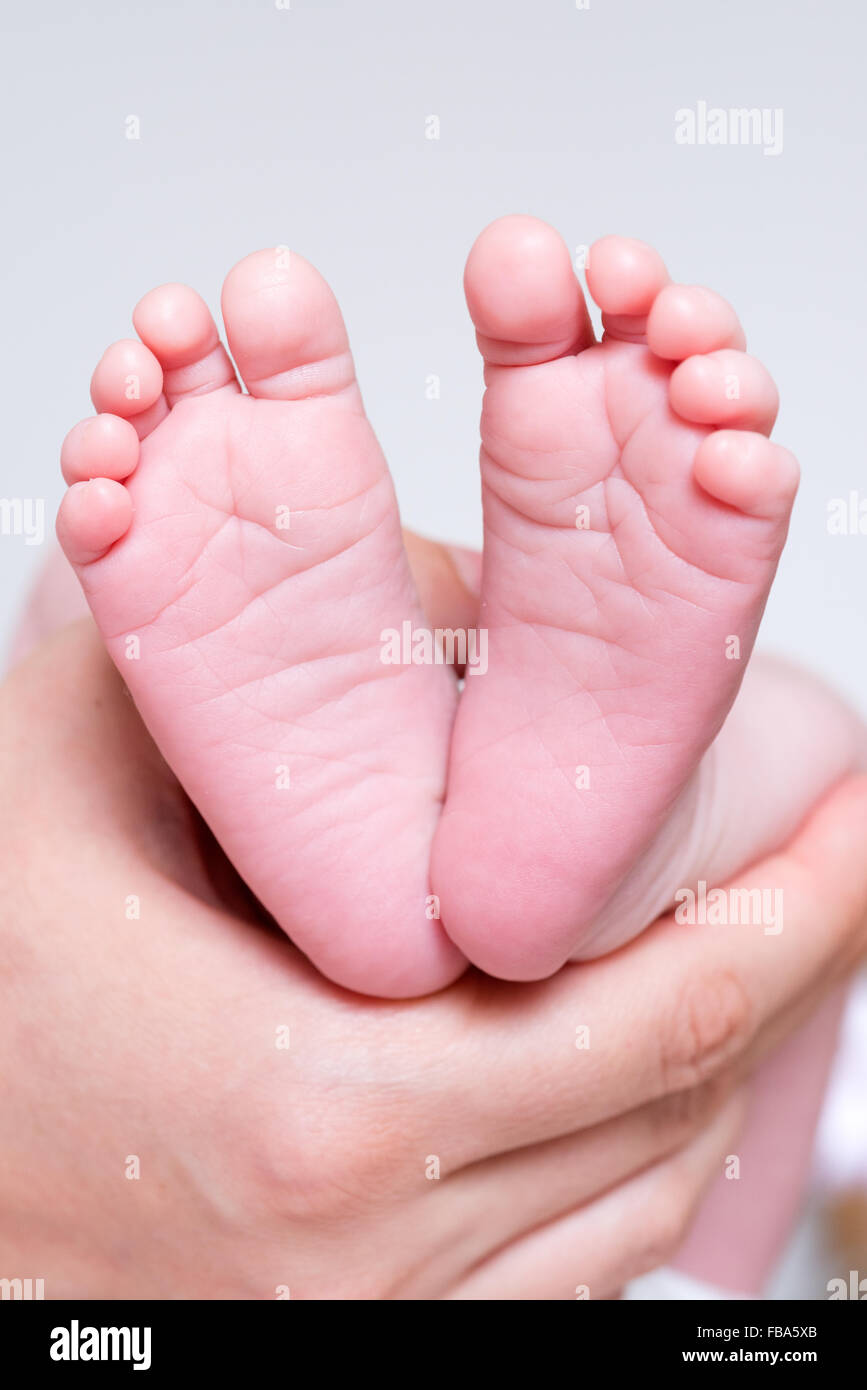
[
  {"x": 285, "y": 328},
  {"x": 526, "y": 305}
]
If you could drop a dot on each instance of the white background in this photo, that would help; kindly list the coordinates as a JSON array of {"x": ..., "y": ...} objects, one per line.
[{"x": 306, "y": 127}]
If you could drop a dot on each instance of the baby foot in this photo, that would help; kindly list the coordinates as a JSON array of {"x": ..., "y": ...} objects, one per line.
[
  {"x": 634, "y": 515},
  {"x": 241, "y": 555}
]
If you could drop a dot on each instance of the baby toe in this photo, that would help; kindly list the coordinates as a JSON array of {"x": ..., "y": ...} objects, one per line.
[
  {"x": 687, "y": 320},
  {"x": 747, "y": 471},
  {"x": 103, "y": 446},
  {"x": 725, "y": 388}
]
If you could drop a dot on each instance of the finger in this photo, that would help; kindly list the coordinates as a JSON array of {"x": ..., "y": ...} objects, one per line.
[
  {"x": 448, "y": 578},
  {"x": 479, "y": 1208},
  {"x": 53, "y": 603},
  {"x": 726, "y": 1245},
  {"x": 96, "y": 770},
  {"x": 593, "y": 1251},
  {"x": 114, "y": 781},
  {"x": 669, "y": 1011}
]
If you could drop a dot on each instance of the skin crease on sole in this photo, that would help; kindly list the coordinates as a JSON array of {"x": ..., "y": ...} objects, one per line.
[
  {"x": 248, "y": 648},
  {"x": 242, "y": 557},
  {"x": 242, "y": 554},
  {"x": 635, "y": 511}
]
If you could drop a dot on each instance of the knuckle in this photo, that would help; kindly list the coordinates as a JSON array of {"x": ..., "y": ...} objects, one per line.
[
  {"x": 710, "y": 1022},
  {"x": 686, "y": 1112},
  {"x": 667, "y": 1225},
  {"x": 330, "y": 1161},
  {"x": 851, "y": 939}
]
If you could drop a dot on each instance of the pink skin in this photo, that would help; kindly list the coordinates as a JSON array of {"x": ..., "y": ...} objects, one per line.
[
  {"x": 588, "y": 627},
  {"x": 259, "y": 646},
  {"x": 744, "y": 1223},
  {"x": 741, "y": 1227},
  {"x": 608, "y": 627}
]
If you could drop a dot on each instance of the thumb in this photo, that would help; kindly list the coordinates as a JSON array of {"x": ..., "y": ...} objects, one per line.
[{"x": 448, "y": 578}]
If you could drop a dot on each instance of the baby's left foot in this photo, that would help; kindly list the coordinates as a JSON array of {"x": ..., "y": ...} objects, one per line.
[{"x": 635, "y": 511}]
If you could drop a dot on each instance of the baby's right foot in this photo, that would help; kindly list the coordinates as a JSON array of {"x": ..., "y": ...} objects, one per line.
[
  {"x": 634, "y": 515},
  {"x": 242, "y": 555}
]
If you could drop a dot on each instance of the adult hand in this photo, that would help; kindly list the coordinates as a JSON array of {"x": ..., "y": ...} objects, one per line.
[{"x": 158, "y": 1139}]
